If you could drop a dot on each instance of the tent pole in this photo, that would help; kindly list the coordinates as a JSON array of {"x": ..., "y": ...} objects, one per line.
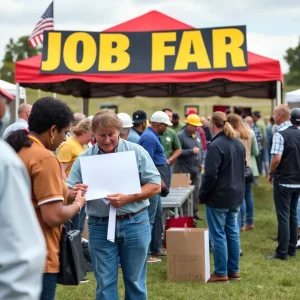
[
  {"x": 85, "y": 106},
  {"x": 278, "y": 93},
  {"x": 17, "y": 100}
]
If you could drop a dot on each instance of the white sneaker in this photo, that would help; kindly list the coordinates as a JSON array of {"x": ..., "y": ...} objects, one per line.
[{"x": 84, "y": 280}]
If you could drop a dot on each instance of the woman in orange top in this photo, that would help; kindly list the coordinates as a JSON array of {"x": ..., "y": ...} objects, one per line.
[{"x": 49, "y": 122}]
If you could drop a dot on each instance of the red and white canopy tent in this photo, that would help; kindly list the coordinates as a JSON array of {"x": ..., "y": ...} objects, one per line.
[
  {"x": 7, "y": 96},
  {"x": 263, "y": 79}
]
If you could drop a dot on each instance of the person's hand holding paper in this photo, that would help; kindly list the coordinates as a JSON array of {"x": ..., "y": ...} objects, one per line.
[
  {"x": 118, "y": 200},
  {"x": 79, "y": 187},
  {"x": 110, "y": 174}
]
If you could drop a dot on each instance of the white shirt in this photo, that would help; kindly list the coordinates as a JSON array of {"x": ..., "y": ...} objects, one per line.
[
  {"x": 19, "y": 124},
  {"x": 22, "y": 243}
]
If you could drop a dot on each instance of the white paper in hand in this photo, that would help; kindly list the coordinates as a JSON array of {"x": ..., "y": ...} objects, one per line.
[
  {"x": 110, "y": 174},
  {"x": 111, "y": 229}
]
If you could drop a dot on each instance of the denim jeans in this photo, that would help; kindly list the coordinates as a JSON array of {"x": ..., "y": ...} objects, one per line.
[
  {"x": 131, "y": 244},
  {"x": 155, "y": 218},
  {"x": 286, "y": 201},
  {"x": 196, "y": 181},
  {"x": 171, "y": 172},
  {"x": 49, "y": 286},
  {"x": 298, "y": 213},
  {"x": 225, "y": 239},
  {"x": 247, "y": 206}
]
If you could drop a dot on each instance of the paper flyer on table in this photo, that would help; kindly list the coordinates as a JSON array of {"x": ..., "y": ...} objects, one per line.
[{"x": 110, "y": 174}]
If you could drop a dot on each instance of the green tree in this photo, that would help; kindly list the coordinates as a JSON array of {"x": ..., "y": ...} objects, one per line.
[
  {"x": 14, "y": 51},
  {"x": 292, "y": 58},
  {"x": 8, "y": 71}
]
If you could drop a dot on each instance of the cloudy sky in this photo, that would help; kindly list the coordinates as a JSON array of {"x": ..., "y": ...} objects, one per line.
[{"x": 272, "y": 25}]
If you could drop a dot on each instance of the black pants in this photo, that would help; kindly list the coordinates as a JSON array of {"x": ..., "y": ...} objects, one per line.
[{"x": 286, "y": 200}]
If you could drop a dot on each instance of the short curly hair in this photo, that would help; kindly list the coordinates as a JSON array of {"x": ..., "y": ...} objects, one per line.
[{"x": 47, "y": 112}]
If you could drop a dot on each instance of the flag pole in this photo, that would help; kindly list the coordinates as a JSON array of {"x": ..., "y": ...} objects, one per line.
[{"x": 54, "y": 94}]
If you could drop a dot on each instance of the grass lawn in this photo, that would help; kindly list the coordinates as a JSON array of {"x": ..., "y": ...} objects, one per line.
[{"x": 261, "y": 279}]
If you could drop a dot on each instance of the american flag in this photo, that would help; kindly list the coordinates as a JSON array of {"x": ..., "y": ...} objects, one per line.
[{"x": 45, "y": 23}]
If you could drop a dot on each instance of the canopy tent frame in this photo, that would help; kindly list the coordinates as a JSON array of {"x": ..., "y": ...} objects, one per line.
[{"x": 263, "y": 79}]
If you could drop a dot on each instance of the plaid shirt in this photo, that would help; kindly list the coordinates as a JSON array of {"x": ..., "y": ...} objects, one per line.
[
  {"x": 278, "y": 141},
  {"x": 259, "y": 136},
  {"x": 278, "y": 146}
]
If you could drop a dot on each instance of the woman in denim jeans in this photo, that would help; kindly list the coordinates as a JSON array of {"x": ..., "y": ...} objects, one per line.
[
  {"x": 222, "y": 192},
  {"x": 132, "y": 235}
]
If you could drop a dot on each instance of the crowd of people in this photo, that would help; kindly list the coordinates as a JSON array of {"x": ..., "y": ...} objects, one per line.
[{"x": 48, "y": 139}]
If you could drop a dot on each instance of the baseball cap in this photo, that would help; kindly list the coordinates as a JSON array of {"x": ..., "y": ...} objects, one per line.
[
  {"x": 175, "y": 115},
  {"x": 126, "y": 120},
  {"x": 161, "y": 117},
  {"x": 138, "y": 117},
  {"x": 190, "y": 112},
  {"x": 256, "y": 114}
]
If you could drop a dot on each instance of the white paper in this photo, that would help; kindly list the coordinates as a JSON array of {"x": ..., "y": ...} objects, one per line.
[
  {"x": 111, "y": 223},
  {"x": 111, "y": 229},
  {"x": 110, "y": 174}
]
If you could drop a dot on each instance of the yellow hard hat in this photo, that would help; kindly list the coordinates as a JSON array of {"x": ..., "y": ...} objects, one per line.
[{"x": 194, "y": 120}]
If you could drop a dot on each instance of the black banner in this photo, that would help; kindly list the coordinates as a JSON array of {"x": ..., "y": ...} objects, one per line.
[{"x": 195, "y": 50}]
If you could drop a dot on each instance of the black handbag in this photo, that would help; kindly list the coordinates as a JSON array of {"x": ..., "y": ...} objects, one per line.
[
  {"x": 249, "y": 178},
  {"x": 72, "y": 264},
  {"x": 165, "y": 175}
]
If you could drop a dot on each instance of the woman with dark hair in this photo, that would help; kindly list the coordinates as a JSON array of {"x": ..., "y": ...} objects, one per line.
[
  {"x": 49, "y": 122},
  {"x": 222, "y": 192}
]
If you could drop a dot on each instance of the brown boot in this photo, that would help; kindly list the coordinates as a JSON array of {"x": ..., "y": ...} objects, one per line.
[
  {"x": 250, "y": 227},
  {"x": 243, "y": 229},
  {"x": 218, "y": 279},
  {"x": 234, "y": 276}
]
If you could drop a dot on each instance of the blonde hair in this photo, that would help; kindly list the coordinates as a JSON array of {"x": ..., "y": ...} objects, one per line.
[
  {"x": 219, "y": 119},
  {"x": 83, "y": 126},
  {"x": 106, "y": 118},
  {"x": 237, "y": 123}
]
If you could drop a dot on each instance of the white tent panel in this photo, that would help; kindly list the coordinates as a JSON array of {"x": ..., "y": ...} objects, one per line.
[
  {"x": 292, "y": 97},
  {"x": 12, "y": 89}
]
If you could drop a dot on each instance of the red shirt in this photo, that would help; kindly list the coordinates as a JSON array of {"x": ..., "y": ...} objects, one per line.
[{"x": 203, "y": 138}]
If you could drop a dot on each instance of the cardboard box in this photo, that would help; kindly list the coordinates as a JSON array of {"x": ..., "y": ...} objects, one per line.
[
  {"x": 180, "y": 180},
  {"x": 85, "y": 233},
  {"x": 188, "y": 254}
]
